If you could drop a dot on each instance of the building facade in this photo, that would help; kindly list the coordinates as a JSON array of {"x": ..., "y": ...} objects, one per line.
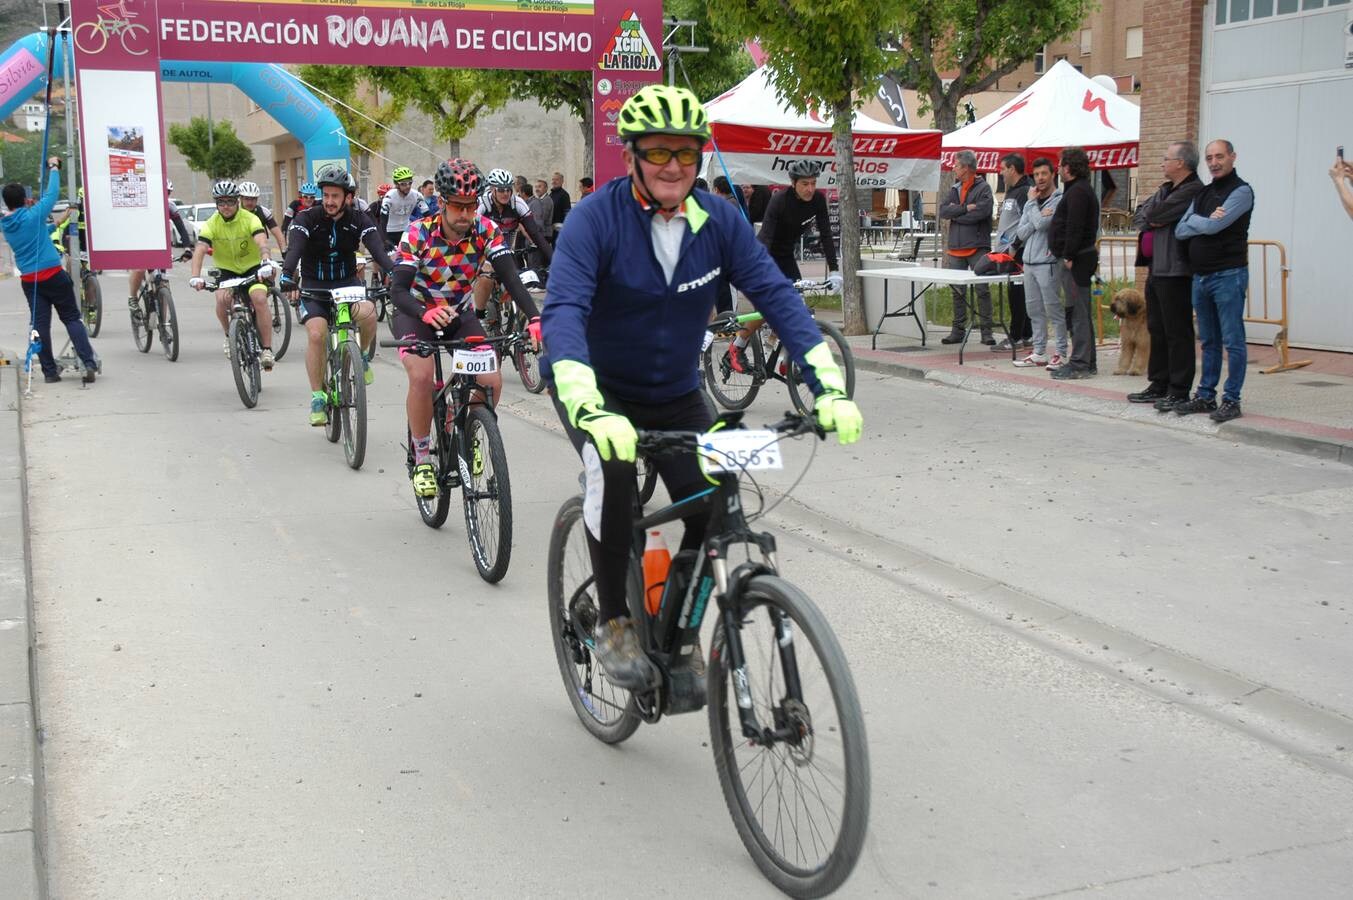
[{"x": 1275, "y": 78}]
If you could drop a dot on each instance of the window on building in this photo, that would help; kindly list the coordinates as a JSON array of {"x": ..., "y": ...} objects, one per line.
[
  {"x": 1085, "y": 41},
  {"x": 1040, "y": 60},
  {"x": 1133, "y": 48},
  {"x": 1235, "y": 12}
]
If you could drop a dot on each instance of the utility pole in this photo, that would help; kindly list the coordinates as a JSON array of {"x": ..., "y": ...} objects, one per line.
[{"x": 672, "y": 50}]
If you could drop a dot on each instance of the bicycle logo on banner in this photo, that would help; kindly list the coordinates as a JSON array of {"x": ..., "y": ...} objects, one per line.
[{"x": 92, "y": 37}]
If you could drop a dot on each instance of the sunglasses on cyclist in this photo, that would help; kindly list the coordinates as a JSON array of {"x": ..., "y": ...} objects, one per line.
[
  {"x": 661, "y": 156},
  {"x": 227, "y": 201},
  {"x": 462, "y": 205}
]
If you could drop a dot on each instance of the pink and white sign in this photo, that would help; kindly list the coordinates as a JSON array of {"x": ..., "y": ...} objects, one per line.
[{"x": 17, "y": 74}]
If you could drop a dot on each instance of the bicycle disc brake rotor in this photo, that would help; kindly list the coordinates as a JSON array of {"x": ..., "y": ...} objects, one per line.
[{"x": 795, "y": 715}]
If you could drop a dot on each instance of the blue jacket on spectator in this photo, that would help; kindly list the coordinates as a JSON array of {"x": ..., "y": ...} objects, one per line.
[{"x": 29, "y": 235}]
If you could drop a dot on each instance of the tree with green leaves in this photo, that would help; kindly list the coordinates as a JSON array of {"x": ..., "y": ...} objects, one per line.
[
  {"x": 824, "y": 54},
  {"x": 213, "y": 148},
  {"x": 361, "y": 117},
  {"x": 972, "y": 44},
  {"x": 453, "y": 99}
]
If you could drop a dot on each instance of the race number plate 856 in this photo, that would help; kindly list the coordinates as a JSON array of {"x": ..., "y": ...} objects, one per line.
[
  {"x": 474, "y": 362},
  {"x": 740, "y": 450}
]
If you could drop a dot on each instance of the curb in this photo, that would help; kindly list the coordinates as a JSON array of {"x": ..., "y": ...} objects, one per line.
[
  {"x": 21, "y": 782},
  {"x": 1261, "y": 431}
]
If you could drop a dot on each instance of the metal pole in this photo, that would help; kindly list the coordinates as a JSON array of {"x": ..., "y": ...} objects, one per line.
[{"x": 68, "y": 63}]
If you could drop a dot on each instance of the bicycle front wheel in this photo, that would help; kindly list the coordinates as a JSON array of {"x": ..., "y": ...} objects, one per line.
[
  {"x": 244, "y": 363},
  {"x": 352, "y": 403},
  {"x": 333, "y": 426},
  {"x": 799, "y": 392},
  {"x": 168, "y": 323},
  {"x": 799, "y": 792},
  {"x": 487, "y": 493},
  {"x": 142, "y": 335},
  {"x": 281, "y": 323},
  {"x": 729, "y": 388},
  {"x": 606, "y": 711},
  {"x": 93, "y": 297},
  {"x": 433, "y": 510}
]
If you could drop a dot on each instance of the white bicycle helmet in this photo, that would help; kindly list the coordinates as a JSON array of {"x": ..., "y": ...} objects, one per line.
[
  {"x": 499, "y": 178},
  {"x": 248, "y": 189}
]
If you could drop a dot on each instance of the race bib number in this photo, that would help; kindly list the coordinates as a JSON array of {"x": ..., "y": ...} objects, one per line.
[
  {"x": 474, "y": 362},
  {"x": 348, "y": 294},
  {"x": 740, "y": 450}
]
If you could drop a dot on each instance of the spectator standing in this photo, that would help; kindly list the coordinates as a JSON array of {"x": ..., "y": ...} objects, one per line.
[
  {"x": 1342, "y": 176},
  {"x": 1217, "y": 229},
  {"x": 1071, "y": 235},
  {"x": 1007, "y": 225},
  {"x": 562, "y": 201},
  {"x": 546, "y": 206},
  {"x": 534, "y": 257},
  {"x": 1169, "y": 281},
  {"x": 584, "y": 187},
  {"x": 1041, "y": 266},
  {"x": 430, "y": 197},
  {"x": 756, "y": 198},
  {"x": 968, "y": 209},
  {"x": 46, "y": 285}
]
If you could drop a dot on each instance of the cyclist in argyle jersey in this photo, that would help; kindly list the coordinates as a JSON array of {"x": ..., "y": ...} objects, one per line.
[
  {"x": 323, "y": 242},
  {"x": 636, "y": 276},
  {"x": 435, "y": 266},
  {"x": 249, "y": 200},
  {"x": 401, "y": 206},
  {"x": 508, "y": 211}
]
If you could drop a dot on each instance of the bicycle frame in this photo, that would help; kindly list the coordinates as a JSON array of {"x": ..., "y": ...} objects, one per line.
[{"x": 678, "y": 622}]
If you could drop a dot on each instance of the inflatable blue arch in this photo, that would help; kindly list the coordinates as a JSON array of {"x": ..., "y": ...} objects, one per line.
[{"x": 23, "y": 73}]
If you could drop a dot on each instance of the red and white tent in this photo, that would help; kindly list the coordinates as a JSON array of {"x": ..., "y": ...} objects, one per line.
[
  {"x": 1061, "y": 109},
  {"x": 757, "y": 136}
]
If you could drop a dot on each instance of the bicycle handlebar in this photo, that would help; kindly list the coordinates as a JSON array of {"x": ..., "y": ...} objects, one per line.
[
  {"x": 427, "y": 348},
  {"x": 657, "y": 442}
]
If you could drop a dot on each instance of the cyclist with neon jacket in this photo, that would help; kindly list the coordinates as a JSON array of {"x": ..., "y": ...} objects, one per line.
[
  {"x": 435, "y": 266},
  {"x": 323, "y": 243},
  {"x": 509, "y": 212},
  {"x": 401, "y": 206},
  {"x": 635, "y": 279}
]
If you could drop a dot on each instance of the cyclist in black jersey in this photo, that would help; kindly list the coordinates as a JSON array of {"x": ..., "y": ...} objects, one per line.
[
  {"x": 788, "y": 214},
  {"x": 509, "y": 212},
  {"x": 135, "y": 277},
  {"x": 249, "y": 200},
  {"x": 323, "y": 242}
]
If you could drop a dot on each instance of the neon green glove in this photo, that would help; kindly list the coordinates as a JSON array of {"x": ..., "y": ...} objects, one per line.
[
  {"x": 836, "y": 412},
  {"x": 576, "y": 386},
  {"x": 828, "y": 373}
]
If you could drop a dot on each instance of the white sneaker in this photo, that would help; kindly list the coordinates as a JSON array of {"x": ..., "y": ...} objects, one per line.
[
  {"x": 267, "y": 360},
  {"x": 225, "y": 347},
  {"x": 1056, "y": 362},
  {"x": 1033, "y": 359}
]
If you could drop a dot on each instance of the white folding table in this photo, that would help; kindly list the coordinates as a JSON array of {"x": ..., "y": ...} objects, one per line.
[{"x": 923, "y": 278}]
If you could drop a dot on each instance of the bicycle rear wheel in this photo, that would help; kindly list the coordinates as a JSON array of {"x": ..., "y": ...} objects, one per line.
[
  {"x": 93, "y": 304},
  {"x": 731, "y": 389},
  {"x": 647, "y": 476},
  {"x": 352, "y": 403},
  {"x": 168, "y": 323},
  {"x": 800, "y": 802},
  {"x": 281, "y": 323},
  {"x": 487, "y": 492},
  {"x": 142, "y": 335},
  {"x": 244, "y": 364},
  {"x": 609, "y": 713},
  {"x": 799, "y": 392}
]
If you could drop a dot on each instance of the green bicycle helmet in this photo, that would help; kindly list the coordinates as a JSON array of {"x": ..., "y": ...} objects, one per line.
[
  {"x": 403, "y": 173},
  {"x": 663, "y": 109}
]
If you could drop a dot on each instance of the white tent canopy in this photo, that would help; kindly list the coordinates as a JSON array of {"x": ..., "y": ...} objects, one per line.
[
  {"x": 757, "y": 136},
  {"x": 1061, "y": 109}
]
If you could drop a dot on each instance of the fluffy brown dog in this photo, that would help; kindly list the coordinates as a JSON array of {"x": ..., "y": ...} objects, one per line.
[{"x": 1129, "y": 308}]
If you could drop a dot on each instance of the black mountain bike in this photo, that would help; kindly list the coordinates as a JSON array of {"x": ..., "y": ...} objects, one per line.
[
  {"x": 281, "y": 322},
  {"x": 467, "y": 451},
  {"x": 785, "y": 723},
  {"x": 767, "y": 360},
  {"x": 153, "y": 313},
  {"x": 91, "y": 297},
  {"x": 246, "y": 349},
  {"x": 504, "y": 319}
]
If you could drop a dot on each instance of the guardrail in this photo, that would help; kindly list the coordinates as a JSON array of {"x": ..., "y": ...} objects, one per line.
[{"x": 1117, "y": 255}]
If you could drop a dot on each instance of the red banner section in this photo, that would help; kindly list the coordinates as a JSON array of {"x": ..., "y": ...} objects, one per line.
[
  {"x": 1112, "y": 156},
  {"x": 753, "y": 139}
]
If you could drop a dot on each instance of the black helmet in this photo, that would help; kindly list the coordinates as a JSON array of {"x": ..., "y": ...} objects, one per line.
[
  {"x": 333, "y": 176},
  {"x": 803, "y": 168}
]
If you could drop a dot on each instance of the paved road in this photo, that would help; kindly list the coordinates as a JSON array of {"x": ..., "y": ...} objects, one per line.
[{"x": 261, "y": 675}]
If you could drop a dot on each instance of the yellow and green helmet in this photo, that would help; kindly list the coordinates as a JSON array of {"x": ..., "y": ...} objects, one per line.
[{"x": 663, "y": 109}]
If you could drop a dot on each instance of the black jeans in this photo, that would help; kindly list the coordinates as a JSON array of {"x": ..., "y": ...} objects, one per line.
[
  {"x": 1169, "y": 319},
  {"x": 58, "y": 292},
  {"x": 1021, "y": 329},
  {"x": 611, "y": 488},
  {"x": 1079, "y": 322}
]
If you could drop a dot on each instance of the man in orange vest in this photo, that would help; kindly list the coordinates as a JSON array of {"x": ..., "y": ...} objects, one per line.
[{"x": 968, "y": 210}]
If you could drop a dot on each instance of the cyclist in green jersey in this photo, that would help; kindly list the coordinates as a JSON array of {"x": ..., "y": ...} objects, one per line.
[{"x": 239, "y": 247}]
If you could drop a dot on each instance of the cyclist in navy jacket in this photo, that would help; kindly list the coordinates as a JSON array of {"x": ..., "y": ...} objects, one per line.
[{"x": 635, "y": 278}]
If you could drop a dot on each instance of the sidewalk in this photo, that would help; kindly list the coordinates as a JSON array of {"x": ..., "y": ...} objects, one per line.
[{"x": 20, "y": 773}]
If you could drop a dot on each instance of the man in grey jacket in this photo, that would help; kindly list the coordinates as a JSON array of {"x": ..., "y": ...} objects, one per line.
[
  {"x": 1040, "y": 269},
  {"x": 968, "y": 209},
  {"x": 1169, "y": 284}
]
